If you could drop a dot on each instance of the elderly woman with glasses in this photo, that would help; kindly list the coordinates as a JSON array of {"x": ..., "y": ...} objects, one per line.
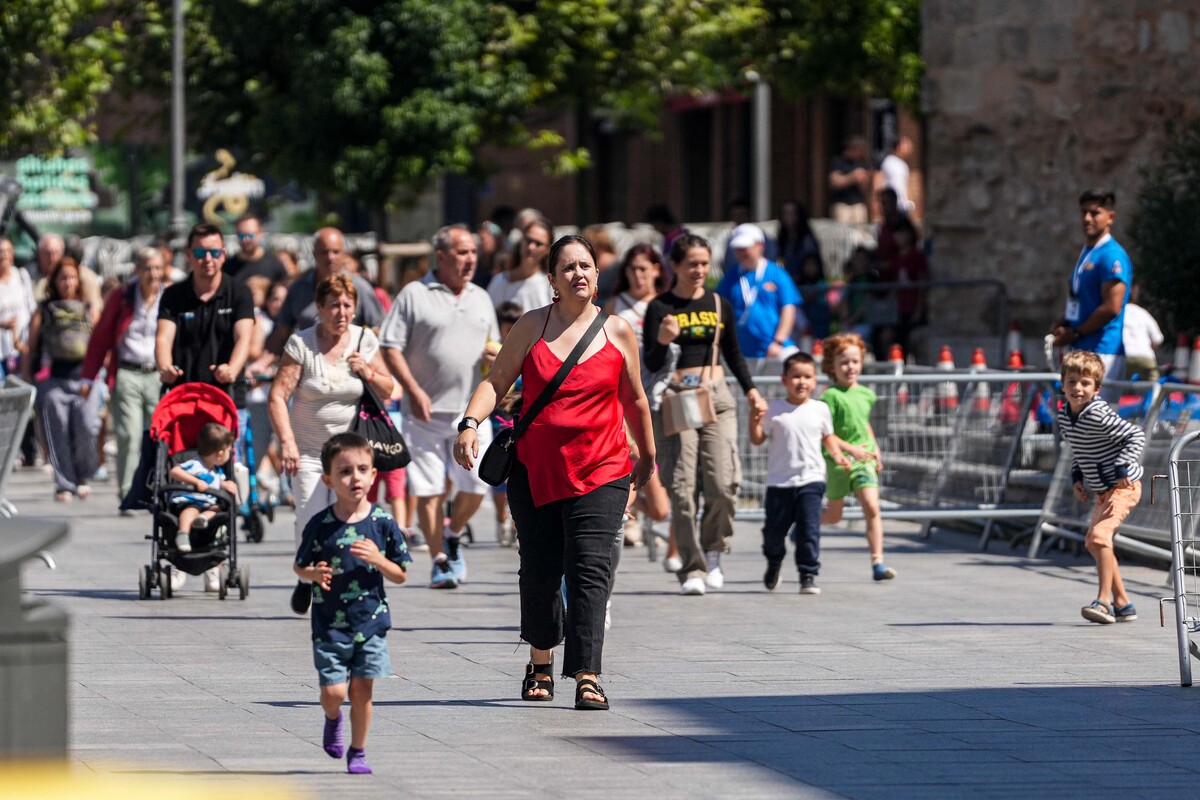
[{"x": 123, "y": 343}]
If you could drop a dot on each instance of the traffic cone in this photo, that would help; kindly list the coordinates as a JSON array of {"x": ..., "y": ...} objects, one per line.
[
  {"x": 1016, "y": 360},
  {"x": 948, "y": 394},
  {"x": 818, "y": 352},
  {"x": 806, "y": 340},
  {"x": 896, "y": 362},
  {"x": 1194, "y": 369},
  {"x": 1179, "y": 365},
  {"x": 1010, "y": 404},
  {"x": 983, "y": 398},
  {"x": 1013, "y": 340}
]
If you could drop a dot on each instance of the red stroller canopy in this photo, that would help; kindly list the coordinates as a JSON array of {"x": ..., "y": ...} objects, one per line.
[{"x": 187, "y": 408}]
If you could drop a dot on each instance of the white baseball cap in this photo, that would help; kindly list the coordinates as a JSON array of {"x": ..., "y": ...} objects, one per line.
[{"x": 746, "y": 235}]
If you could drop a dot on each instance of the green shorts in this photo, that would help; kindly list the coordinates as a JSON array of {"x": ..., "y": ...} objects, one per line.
[{"x": 841, "y": 482}]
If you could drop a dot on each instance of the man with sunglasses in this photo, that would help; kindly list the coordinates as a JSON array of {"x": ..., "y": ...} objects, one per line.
[
  {"x": 252, "y": 259},
  {"x": 206, "y": 322}
]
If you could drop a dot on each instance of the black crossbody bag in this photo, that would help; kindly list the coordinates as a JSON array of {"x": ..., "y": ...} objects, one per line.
[
  {"x": 373, "y": 423},
  {"x": 497, "y": 460}
]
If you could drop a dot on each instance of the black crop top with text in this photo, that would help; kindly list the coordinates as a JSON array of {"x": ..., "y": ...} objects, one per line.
[{"x": 697, "y": 325}]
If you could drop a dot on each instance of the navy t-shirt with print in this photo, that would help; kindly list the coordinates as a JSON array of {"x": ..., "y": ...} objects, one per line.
[{"x": 354, "y": 608}]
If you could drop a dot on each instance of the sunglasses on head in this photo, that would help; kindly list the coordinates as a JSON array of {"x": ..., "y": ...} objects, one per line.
[{"x": 199, "y": 253}]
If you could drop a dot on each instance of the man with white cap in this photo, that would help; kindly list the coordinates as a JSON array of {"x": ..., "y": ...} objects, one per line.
[{"x": 763, "y": 296}]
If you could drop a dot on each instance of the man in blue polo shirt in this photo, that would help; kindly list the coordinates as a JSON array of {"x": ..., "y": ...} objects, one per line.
[
  {"x": 762, "y": 294},
  {"x": 1094, "y": 316}
]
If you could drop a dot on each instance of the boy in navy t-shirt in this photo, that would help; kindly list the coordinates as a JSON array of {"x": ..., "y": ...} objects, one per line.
[{"x": 346, "y": 551}]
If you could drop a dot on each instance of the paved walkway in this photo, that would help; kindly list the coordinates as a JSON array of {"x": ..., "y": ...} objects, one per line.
[{"x": 970, "y": 675}]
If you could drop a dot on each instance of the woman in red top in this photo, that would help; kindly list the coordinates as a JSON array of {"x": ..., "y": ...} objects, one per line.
[{"x": 570, "y": 479}]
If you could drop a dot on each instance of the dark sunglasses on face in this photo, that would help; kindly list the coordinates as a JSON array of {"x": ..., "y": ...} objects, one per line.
[
  {"x": 199, "y": 253},
  {"x": 245, "y": 236}
]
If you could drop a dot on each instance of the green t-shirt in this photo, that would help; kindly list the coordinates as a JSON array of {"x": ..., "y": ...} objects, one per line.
[{"x": 851, "y": 412}]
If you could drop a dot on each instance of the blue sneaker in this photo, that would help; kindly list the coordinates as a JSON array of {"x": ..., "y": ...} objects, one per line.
[
  {"x": 442, "y": 577},
  {"x": 1126, "y": 613},
  {"x": 882, "y": 572},
  {"x": 458, "y": 565}
]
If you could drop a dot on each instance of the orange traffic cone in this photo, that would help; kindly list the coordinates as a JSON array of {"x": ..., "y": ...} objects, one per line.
[
  {"x": 1010, "y": 405},
  {"x": 1016, "y": 360},
  {"x": 896, "y": 362},
  {"x": 1013, "y": 340},
  {"x": 948, "y": 394},
  {"x": 1194, "y": 370},
  {"x": 983, "y": 398},
  {"x": 818, "y": 352},
  {"x": 1180, "y": 363}
]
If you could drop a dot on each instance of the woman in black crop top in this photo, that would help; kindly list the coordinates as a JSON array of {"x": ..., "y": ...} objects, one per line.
[{"x": 687, "y": 315}]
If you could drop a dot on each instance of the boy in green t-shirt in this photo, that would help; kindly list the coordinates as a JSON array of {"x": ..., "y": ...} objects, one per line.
[{"x": 850, "y": 406}]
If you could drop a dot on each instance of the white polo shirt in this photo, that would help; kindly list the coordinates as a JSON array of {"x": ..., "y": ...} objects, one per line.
[{"x": 442, "y": 338}]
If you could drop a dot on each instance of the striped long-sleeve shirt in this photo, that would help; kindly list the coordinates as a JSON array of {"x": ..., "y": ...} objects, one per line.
[{"x": 1104, "y": 447}]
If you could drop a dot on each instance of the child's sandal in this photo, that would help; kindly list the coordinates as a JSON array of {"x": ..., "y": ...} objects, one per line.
[
  {"x": 589, "y": 686},
  {"x": 532, "y": 684}
]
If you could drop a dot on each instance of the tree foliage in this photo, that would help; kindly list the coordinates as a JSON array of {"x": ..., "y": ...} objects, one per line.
[
  {"x": 55, "y": 64},
  {"x": 1163, "y": 230}
]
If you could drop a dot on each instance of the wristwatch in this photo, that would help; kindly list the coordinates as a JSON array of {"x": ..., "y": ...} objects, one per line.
[{"x": 468, "y": 422}]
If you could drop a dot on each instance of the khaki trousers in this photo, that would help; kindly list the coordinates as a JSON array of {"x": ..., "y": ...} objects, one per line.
[
  {"x": 704, "y": 458},
  {"x": 134, "y": 396}
]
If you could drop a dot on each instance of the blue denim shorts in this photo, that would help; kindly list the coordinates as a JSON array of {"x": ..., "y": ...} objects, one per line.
[{"x": 336, "y": 662}]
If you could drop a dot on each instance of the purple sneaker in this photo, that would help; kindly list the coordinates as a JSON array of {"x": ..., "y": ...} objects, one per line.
[
  {"x": 356, "y": 762},
  {"x": 332, "y": 738}
]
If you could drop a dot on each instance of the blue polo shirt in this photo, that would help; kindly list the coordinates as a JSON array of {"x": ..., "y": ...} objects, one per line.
[
  {"x": 757, "y": 298},
  {"x": 1096, "y": 266}
]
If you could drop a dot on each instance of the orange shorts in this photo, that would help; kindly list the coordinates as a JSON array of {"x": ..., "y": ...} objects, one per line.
[{"x": 1112, "y": 507}]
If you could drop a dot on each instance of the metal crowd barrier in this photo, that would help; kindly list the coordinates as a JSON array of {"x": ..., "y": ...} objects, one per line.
[
  {"x": 16, "y": 406},
  {"x": 1183, "y": 476},
  {"x": 1165, "y": 411},
  {"x": 960, "y": 449}
]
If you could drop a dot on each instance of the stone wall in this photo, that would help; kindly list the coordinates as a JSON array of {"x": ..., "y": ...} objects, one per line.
[{"x": 1028, "y": 103}]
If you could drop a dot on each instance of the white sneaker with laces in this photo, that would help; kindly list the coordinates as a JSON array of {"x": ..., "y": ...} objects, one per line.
[
  {"x": 692, "y": 587},
  {"x": 715, "y": 578},
  {"x": 212, "y": 580}
]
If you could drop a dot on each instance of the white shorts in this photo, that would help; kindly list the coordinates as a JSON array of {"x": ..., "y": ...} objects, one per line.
[{"x": 431, "y": 445}]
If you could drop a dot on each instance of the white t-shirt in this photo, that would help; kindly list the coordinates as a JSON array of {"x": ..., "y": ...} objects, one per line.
[
  {"x": 794, "y": 436},
  {"x": 895, "y": 176},
  {"x": 16, "y": 302},
  {"x": 529, "y": 293},
  {"x": 326, "y": 398},
  {"x": 1141, "y": 333}
]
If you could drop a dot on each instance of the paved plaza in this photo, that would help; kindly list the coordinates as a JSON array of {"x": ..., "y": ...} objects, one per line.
[{"x": 971, "y": 675}]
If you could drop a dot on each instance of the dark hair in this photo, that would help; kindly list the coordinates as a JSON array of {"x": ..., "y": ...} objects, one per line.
[
  {"x": 213, "y": 437},
  {"x": 888, "y": 191},
  {"x": 798, "y": 357},
  {"x": 803, "y": 232},
  {"x": 557, "y": 248},
  {"x": 904, "y": 225},
  {"x": 679, "y": 249},
  {"x": 650, "y": 252},
  {"x": 659, "y": 212},
  {"x": 248, "y": 217},
  {"x": 737, "y": 202},
  {"x": 201, "y": 230},
  {"x": 340, "y": 443},
  {"x": 52, "y": 282},
  {"x": 509, "y": 312},
  {"x": 1105, "y": 197}
]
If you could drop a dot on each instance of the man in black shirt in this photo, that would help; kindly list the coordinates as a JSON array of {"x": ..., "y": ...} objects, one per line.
[
  {"x": 252, "y": 258},
  {"x": 848, "y": 182},
  {"x": 206, "y": 322}
]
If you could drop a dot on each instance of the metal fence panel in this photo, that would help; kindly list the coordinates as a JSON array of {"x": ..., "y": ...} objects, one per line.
[
  {"x": 16, "y": 406},
  {"x": 1183, "y": 475}
]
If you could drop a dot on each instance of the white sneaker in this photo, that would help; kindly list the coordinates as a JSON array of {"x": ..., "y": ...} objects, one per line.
[
  {"x": 672, "y": 563},
  {"x": 178, "y": 579},
  {"x": 715, "y": 579},
  {"x": 183, "y": 543},
  {"x": 212, "y": 580},
  {"x": 692, "y": 586}
]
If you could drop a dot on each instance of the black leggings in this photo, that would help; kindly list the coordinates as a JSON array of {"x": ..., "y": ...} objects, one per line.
[{"x": 571, "y": 538}]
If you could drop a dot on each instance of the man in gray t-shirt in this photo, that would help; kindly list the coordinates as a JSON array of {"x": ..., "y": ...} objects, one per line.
[{"x": 434, "y": 341}]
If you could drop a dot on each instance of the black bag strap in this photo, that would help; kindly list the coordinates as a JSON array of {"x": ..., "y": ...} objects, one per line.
[{"x": 548, "y": 393}]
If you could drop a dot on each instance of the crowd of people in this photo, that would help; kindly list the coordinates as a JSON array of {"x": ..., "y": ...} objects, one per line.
[{"x": 604, "y": 373}]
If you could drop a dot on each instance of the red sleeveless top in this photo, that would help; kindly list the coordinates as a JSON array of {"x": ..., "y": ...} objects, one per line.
[{"x": 577, "y": 443}]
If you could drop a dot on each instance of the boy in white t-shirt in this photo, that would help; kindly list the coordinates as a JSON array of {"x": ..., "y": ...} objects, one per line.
[{"x": 795, "y": 429}]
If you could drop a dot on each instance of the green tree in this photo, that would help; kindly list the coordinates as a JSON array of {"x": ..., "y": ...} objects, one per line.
[
  {"x": 56, "y": 63},
  {"x": 1163, "y": 230}
]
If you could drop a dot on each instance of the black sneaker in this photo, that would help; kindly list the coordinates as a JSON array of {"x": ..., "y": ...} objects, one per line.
[
  {"x": 301, "y": 597},
  {"x": 808, "y": 585},
  {"x": 771, "y": 576}
]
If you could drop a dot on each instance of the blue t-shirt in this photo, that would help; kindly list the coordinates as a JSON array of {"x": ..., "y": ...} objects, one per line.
[
  {"x": 757, "y": 298},
  {"x": 196, "y": 468},
  {"x": 1105, "y": 262},
  {"x": 355, "y": 607}
]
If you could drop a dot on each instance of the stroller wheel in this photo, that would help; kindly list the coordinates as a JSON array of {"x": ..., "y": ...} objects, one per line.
[
  {"x": 243, "y": 581},
  {"x": 144, "y": 582},
  {"x": 468, "y": 535},
  {"x": 164, "y": 583},
  {"x": 223, "y": 582},
  {"x": 254, "y": 527}
]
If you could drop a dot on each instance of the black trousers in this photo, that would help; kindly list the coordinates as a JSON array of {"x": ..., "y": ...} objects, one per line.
[
  {"x": 571, "y": 539},
  {"x": 795, "y": 508}
]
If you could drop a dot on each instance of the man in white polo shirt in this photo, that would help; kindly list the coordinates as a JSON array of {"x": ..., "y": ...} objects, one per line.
[{"x": 434, "y": 341}]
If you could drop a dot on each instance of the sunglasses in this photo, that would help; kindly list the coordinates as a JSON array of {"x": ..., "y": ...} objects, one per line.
[
  {"x": 245, "y": 236},
  {"x": 199, "y": 253}
]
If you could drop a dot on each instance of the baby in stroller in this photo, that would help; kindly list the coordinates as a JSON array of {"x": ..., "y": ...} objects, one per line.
[{"x": 214, "y": 446}]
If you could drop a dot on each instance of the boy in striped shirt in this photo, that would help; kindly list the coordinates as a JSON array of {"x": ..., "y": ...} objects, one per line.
[{"x": 1107, "y": 454}]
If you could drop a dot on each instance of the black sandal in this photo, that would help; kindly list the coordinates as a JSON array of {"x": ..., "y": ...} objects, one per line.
[
  {"x": 589, "y": 685},
  {"x": 531, "y": 684}
]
